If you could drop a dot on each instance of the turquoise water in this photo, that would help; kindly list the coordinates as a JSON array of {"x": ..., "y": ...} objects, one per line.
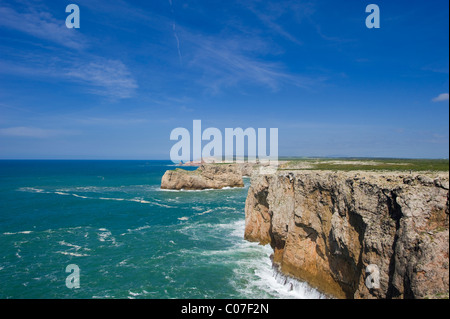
[{"x": 129, "y": 238}]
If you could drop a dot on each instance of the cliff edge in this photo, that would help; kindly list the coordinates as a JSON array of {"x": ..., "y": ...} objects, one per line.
[{"x": 355, "y": 234}]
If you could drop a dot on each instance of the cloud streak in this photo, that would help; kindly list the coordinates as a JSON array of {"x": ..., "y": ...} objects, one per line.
[
  {"x": 441, "y": 97},
  {"x": 175, "y": 34},
  {"x": 272, "y": 15},
  {"x": 226, "y": 63},
  {"x": 43, "y": 26},
  {"x": 110, "y": 78},
  {"x": 35, "y": 132},
  {"x": 106, "y": 77}
]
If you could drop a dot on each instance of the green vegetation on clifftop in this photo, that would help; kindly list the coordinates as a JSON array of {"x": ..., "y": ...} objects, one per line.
[{"x": 365, "y": 164}]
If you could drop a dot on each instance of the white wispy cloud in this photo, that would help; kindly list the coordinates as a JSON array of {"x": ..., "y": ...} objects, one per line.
[
  {"x": 35, "y": 132},
  {"x": 175, "y": 34},
  {"x": 226, "y": 63},
  {"x": 110, "y": 78},
  {"x": 106, "y": 121},
  {"x": 42, "y": 25},
  {"x": 105, "y": 77},
  {"x": 441, "y": 97},
  {"x": 273, "y": 15}
]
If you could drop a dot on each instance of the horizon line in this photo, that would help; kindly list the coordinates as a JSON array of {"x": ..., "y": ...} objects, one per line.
[{"x": 279, "y": 158}]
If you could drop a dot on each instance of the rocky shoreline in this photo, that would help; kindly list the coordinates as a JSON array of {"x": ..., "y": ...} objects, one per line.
[{"x": 349, "y": 234}]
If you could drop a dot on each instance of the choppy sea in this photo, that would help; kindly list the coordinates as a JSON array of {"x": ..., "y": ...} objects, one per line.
[{"x": 129, "y": 238}]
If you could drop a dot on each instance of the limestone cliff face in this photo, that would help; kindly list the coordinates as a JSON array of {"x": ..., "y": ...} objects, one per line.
[
  {"x": 208, "y": 176},
  {"x": 329, "y": 228}
]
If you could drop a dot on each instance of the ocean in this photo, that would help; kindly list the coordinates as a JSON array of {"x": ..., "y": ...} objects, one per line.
[{"x": 128, "y": 238}]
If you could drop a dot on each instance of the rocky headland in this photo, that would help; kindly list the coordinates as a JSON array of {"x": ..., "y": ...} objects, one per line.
[
  {"x": 350, "y": 234},
  {"x": 355, "y": 234},
  {"x": 207, "y": 176}
]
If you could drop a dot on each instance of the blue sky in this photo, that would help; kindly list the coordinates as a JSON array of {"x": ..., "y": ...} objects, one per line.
[{"x": 135, "y": 70}]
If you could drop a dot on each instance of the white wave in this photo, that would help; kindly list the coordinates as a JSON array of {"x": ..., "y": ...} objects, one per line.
[
  {"x": 90, "y": 189},
  {"x": 68, "y": 253},
  {"x": 93, "y": 189},
  {"x": 266, "y": 279},
  {"x": 198, "y": 231},
  {"x": 136, "y": 200},
  {"x": 254, "y": 275},
  {"x": 106, "y": 236},
  {"x": 134, "y": 293},
  {"x": 238, "y": 229},
  {"x": 205, "y": 212},
  {"x": 63, "y": 243},
  {"x": 198, "y": 190},
  {"x": 76, "y": 247},
  {"x": 117, "y": 199},
  {"x": 235, "y": 229},
  {"x": 61, "y": 193},
  {"x": 31, "y": 190},
  {"x": 102, "y": 297},
  {"x": 26, "y": 232},
  {"x": 295, "y": 288},
  {"x": 80, "y": 196},
  {"x": 168, "y": 190},
  {"x": 123, "y": 262},
  {"x": 139, "y": 228},
  {"x": 162, "y": 205}
]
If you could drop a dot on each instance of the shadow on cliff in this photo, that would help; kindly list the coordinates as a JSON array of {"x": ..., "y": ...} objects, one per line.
[{"x": 347, "y": 269}]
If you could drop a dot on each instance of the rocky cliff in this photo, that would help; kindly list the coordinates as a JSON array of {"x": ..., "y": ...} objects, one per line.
[
  {"x": 209, "y": 176},
  {"x": 355, "y": 234}
]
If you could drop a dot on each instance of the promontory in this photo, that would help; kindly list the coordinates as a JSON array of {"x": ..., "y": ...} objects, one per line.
[
  {"x": 351, "y": 229},
  {"x": 355, "y": 234},
  {"x": 207, "y": 176}
]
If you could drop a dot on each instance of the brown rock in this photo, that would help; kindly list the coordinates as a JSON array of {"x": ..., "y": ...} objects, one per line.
[
  {"x": 327, "y": 227},
  {"x": 208, "y": 176}
]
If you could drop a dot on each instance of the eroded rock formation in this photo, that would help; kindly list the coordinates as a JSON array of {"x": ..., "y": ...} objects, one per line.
[
  {"x": 208, "y": 176},
  {"x": 327, "y": 228}
]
